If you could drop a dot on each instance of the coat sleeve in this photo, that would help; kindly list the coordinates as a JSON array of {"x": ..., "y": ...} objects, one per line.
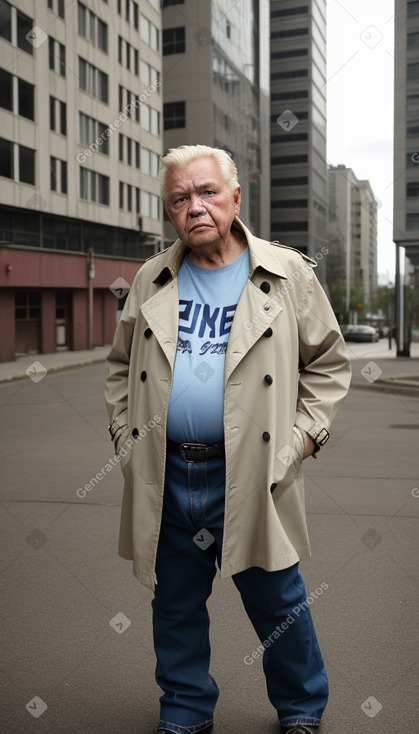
[
  {"x": 325, "y": 371},
  {"x": 116, "y": 384}
]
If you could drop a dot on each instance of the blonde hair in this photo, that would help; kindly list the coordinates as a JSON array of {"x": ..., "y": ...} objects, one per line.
[{"x": 184, "y": 154}]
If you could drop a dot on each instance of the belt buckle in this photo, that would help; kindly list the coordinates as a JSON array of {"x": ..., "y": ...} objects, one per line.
[{"x": 191, "y": 447}]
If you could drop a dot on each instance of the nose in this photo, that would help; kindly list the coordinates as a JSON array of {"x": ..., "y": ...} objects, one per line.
[{"x": 196, "y": 206}]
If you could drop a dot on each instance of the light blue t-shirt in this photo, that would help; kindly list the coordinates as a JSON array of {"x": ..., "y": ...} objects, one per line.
[{"x": 207, "y": 301}]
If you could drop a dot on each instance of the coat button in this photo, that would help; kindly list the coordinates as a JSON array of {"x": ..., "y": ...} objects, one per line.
[
  {"x": 266, "y": 436},
  {"x": 268, "y": 379},
  {"x": 135, "y": 433},
  {"x": 148, "y": 333},
  {"x": 273, "y": 486},
  {"x": 143, "y": 376},
  {"x": 268, "y": 332},
  {"x": 265, "y": 287}
]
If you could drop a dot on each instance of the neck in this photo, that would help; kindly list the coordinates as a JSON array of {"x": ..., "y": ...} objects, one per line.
[{"x": 219, "y": 254}]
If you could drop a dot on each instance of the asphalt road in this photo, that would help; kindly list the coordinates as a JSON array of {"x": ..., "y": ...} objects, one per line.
[{"x": 77, "y": 653}]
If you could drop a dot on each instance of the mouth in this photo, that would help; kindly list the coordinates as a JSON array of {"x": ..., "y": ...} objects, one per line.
[{"x": 201, "y": 225}]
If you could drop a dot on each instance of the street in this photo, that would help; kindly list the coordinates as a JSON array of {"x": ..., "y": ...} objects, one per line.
[{"x": 77, "y": 653}]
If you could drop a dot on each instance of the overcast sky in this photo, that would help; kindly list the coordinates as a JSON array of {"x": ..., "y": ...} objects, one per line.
[{"x": 360, "y": 98}]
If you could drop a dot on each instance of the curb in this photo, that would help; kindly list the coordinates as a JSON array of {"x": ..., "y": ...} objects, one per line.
[
  {"x": 6, "y": 379},
  {"x": 391, "y": 389}
]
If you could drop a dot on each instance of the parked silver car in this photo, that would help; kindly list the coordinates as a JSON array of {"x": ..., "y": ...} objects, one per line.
[{"x": 360, "y": 333}]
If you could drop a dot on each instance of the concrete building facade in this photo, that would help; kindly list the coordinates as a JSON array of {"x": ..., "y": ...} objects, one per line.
[
  {"x": 352, "y": 234},
  {"x": 298, "y": 125},
  {"x": 216, "y": 75},
  {"x": 406, "y": 153},
  {"x": 80, "y": 147}
]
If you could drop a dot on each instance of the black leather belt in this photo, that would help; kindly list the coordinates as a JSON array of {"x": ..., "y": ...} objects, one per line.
[{"x": 197, "y": 451}]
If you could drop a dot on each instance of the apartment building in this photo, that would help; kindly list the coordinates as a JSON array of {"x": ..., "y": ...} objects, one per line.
[
  {"x": 80, "y": 147},
  {"x": 406, "y": 154},
  {"x": 352, "y": 234},
  {"x": 298, "y": 125},
  {"x": 216, "y": 76}
]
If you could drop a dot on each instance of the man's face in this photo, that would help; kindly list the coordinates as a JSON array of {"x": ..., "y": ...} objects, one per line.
[{"x": 201, "y": 204}]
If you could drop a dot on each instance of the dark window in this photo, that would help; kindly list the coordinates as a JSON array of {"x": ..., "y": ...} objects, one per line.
[
  {"x": 289, "y": 138},
  {"x": 413, "y": 40},
  {"x": 413, "y": 72},
  {"x": 62, "y": 59},
  {"x": 61, "y": 8},
  {"x": 413, "y": 9},
  {"x": 121, "y": 195},
  {"x": 298, "y": 94},
  {"x": 5, "y": 20},
  {"x": 412, "y": 132},
  {"x": 129, "y": 197},
  {"x": 121, "y": 147},
  {"x": 282, "y": 160},
  {"x": 174, "y": 41},
  {"x": 6, "y": 90},
  {"x": 27, "y": 305},
  {"x": 102, "y": 36},
  {"x": 51, "y": 44},
  {"x": 301, "y": 116},
  {"x": 289, "y": 226},
  {"x": 26, "y": 165},
  {"x": 290, "y": 204},
  {"x": 26, "y": 93},
  {"x": 290, "y": 33},
  {"x": 295, "y": 74},
  {"x": 292, "y": 53},
  {"x": 24, "y": 25},
  {"x": 294, "y": 181},
  {"x": 412, "y": 188},
  {"x": 6, "y": 158},
  {"x": 290, "y": 11},
  {"x": 166, "y": 3},
  {"x": 63, "y": 117},
  {"x": 174, "y": 115},
  {"x": 135, "y": 6},
  {"x": 57, "y": 116},
  {"x": 412, "y": 221}
]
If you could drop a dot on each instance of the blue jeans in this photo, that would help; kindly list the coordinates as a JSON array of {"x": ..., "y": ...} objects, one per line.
[{"x": 189, "y": 547}]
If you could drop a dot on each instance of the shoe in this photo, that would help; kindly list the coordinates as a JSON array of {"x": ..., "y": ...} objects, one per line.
[{"x": 299, "y": 729}]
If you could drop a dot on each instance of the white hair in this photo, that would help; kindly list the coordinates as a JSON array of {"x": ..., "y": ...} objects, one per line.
[{"x": 184, "y": 154}]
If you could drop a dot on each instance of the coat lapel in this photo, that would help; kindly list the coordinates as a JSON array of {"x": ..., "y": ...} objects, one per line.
[{"x": 161, "y": 312}]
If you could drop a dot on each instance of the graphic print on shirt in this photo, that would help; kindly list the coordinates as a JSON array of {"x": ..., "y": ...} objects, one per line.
[{"x": 199, "y": 321}]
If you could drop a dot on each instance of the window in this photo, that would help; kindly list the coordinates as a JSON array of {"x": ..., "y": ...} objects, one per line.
[
  {"x": 57, "y": 116},
  {"x": 283, "y": 160},
  {"x": 6, "y": 90},
  {"x": 27, "y": 305},
  {"x": 292, "y": 53},
  {"x": 289, "y": 138},
  {"x": 57, "y": 6},
  {"x": 130, "y": 13},
  {"x": 121, "y": 195},
  {"x": 26, "y": 165},
  {"x": 129, "y": 197},
  {"x": 289, "y": 226},
  {"x": 128, "y": 55},
  {"x": 412, "y": 102},
  {"x": 92, "y": 133},
  {"x": 290, "y": 204},
  {"x": 148, "y": 74},
  {"x": 174, "y": 41},
  {"x": 412, "y": 131},
  {"x": 56, "y": 56},
  {"x": 5, "y": 20},
  {"x": 290, "y": 33},
  {"x": 413, "y": 40},
  {"x": 290, "y": 11},
  {"x": 24, "y": 25},
  {"x": 412, "y": 221},
  {"x": 26, "y": 93},
  {"x": 166, "y": 3},
  {"x": 149, "y": 205},
  {"x": 294, "y": 181},
  {"x": 92, "y": 28},
  {"x": 6, "y": 158},
  {"x": 149, "y": 33},
  {"x": 412, "y": 188},
  {"x": 294, "y": 74},
  {"x": 94, "y": 186},
  {"x": 150, "y": 162},
  {"x": 298, "y": 94},
  {"x": 58, "y": 175},
  {"x": 150, "y": 119},
  {"x": 413, "y": 9},
  {"x": 174, "y": 115},
  {"x": 92, "y": 80},
  {"x": 413, "y": 72}
]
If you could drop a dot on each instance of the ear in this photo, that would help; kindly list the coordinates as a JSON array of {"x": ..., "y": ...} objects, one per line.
[{"x": 237, "y": 196}]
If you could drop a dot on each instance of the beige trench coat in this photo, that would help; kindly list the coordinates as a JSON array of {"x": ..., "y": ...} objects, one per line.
[{"x": 285, "y": 329}]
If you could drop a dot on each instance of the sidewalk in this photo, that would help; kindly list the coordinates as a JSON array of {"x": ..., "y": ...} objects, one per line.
[{"x": 384, "y": 372}]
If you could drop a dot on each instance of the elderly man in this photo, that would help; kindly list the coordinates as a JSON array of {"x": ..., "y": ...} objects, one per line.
[{"x": 227, "y": 369}]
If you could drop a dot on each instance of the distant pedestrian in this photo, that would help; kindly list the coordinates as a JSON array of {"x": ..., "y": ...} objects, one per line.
[{"x": 227, "y": 369}]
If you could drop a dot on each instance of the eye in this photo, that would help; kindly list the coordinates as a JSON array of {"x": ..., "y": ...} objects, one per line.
[{"x": 209, "y": 192}]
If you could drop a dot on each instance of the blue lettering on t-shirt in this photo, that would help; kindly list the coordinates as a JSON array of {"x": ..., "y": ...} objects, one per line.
[{"x": 217, "y": 324}]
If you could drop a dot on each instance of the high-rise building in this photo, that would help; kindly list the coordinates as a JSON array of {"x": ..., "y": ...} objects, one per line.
[
  {"x": 298, "y": 125},
  {"x": 216, "y": 90},
  {"x": 406, "y": 152},
  {"x": 352, "y": 237},
  {"x": 80, "y": 145}
]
